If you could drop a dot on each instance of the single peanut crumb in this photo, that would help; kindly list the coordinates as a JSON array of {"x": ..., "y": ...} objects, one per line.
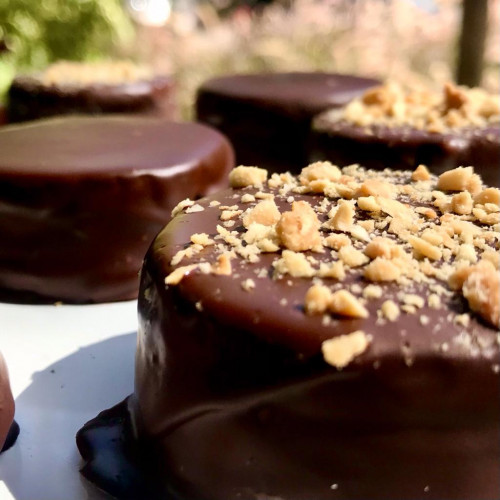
[
  {"x": 321, "y": 170},
  {"x": 434, "y": 301},
  {"x": 265, "y": 212},
  {"x": 299, "y": 229},
  {"x": 344, "y": 216},
  {"x": 421, "y": 173},
  {"x": 194, "y": 208},
  {"x": 248, "y": 285},
  {"x": 352, "y": 257},
  {"x": 488, "y": 195},
  {"x": 425, "y": 249},
  {"x": 344, "y": 303},
  {"x": 202, "y": 239},
  {"x": 414, "y": 300},
  {"x": 337, "y": 241},
  {"x": 381, "y": 269},
  {"x": 390, "y": 310},
  {"x": 247, "y": 198},
  {"x": 293, "y": 263},
  {"x": 459, "y": 179},
  {"x": 223, "y": 265},
  {"x": 340, "y": 351},
  {"x": 317, "y": 300},
  {"x": 181, "y": 206},
  {"x": 376, "y": 187},
  {"x": 176, "y": 276},
  {"x": 242, "y": 176},
  {"x": 372, "y": 292},
  {"x": 461, "y": 203}
]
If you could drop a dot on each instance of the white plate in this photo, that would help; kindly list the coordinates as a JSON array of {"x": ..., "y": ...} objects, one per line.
[{"x": 66, "y": 364}]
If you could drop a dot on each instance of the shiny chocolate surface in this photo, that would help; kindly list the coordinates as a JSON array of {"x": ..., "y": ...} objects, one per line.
[
  {"x": 267, "y": 116},
  {"x": 81, "y": 199},
  {"x": 30, "y": 99}
]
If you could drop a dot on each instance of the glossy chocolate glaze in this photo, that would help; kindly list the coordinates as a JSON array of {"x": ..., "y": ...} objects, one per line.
[
  {"x": 267, "y": 117},
  {"x": 31, "y": 99},
  {"x": 381, "y": 147},
  {"x": 8, "y": 428},
  {"x": 82, "y": 198}
]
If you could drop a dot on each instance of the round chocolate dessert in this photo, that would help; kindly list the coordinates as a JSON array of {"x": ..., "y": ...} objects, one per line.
[
  {"x": 9, "y": 429},
  {"x": 81, "y": 199},
  {"x": 331, "y": 336},
  {"x": 85, "y": 88},
  {"x": 267, "y": 117},
  {"x": 391, "y": 128}
]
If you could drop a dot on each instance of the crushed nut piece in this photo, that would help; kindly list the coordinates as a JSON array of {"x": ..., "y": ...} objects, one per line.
[
  {"x": 299, "y": 229},
  {"x": 382, "y": 269},
  {"x": 421, "y": 173},
  {"x": 345, "y": 304},
  {"x": 317, "y": 300},
  {"x": 242, "y": 176},
  {"x": 265, "y": 212},
  {"x": 390, "y": 310},
  {"x": 340, "y": 351}
]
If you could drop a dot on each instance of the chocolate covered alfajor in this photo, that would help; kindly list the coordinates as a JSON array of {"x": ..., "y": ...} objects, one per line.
[
  {"x": 268, "y": 116},
  {"x": 329, "y": 336},
  {"x": 81, "y": 199},
  {"x": 389, "y": 126},
  {"x": 109, "y": 87}
]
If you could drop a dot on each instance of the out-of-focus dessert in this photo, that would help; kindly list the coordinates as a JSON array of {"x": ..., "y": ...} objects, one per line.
[
  {"x": 91, "y": 88},
  {"x": 392, "y": 127},
  {"x": 81, "y": 199},
  {"x": 331, "y": 335},
  {"x": 9, "y": 429},
  {"x": 267, "y": 116}
]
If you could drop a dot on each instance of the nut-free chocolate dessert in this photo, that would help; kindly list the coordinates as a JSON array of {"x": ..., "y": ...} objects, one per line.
[
  {"x": 90, "y": 88},
  {"x": 267, "y": 116},
  {"x": 327, "y": 336},
  {"x": 9, "y": 429},
  {"x": 395, "y": 128},
  {"x": 81, "y": 199}
]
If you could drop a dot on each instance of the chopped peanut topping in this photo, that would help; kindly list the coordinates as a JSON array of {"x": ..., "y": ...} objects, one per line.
[
  {"x": 241, "y": 177},
  {"x": 421, "y": 173},
  {"x": 337, "y": 241},
  {"x": 461, "y": 203},
  {"x": 321, "y": 170},
  {"x": 382, "y": 269},
  {"x": 265, "y": 212},
  {"x": 346, "y": 304},
  {"x": 424, "y": 248},
  {"x": 344, "y": 216},
  {"x": 340, "y": 351},
  {"x": 376, "y": 187},
  {"x": 352, "y": 257},
  {"x": 459, "y": 179},
  {"x": 317, "y": 299},
  {"x": 299, "y": 229},
  {"x": 390, "y": 310},
  {"x": 488, "y": 195}
]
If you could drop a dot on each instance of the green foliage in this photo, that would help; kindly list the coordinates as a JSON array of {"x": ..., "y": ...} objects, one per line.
[{"x": 38, "y": 32}]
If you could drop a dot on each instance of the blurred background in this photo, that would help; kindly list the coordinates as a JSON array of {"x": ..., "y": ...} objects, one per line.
[{"x": 414, "y": 41}]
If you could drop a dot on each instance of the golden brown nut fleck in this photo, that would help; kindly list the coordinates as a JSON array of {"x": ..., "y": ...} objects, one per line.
[
  {"x": 486, "y": 218},
  {"x": 299, "y": 229},
  {"x": 368, "y": 203},
  {"x": 493, "y": 256},
  {"x": 181, "y": 206},
  {"x": 247, "y": 198},
  {"x": 317, "y": 300},
  {"x": 334, "y": 270},
  {"x": 367, "y": 225},
  {"x": 424, "y": 249},
  {"x": 223, "y": 265},
  {"x": 488, "y": 195},
  {"x": 382, "y": 269},
  {"x": 176, "y": 276},
  {"x": 202, "y": 239},
  {"x": 390, "y": 310},
  {"x": 352, "y": 257},
  {"x": 265, "y": 212},
  {"x": 321, "y": 170},
  {"x": 457, "y": 179},
  {"x": 376, "y": 187},
  {"x": 380, "y": 247},
  {"x": 340, "y": 351},
  {"x": 242, "y": 176},
  {"x": 248, "y": 285},
  {"x": 434, "y": 301},
  {"x": 466, "y": 252},
  {"x": 295, "y": 264},
  {"x": 421, "y": 173},
  {"x": 413, "y": 299},
  {"x": 454, "y": 97},
  {"x": 482, "y": 291},
  {"x": 345, "y": 303},
  {"x": 372, "y": 292},
  {"x": 461, "y": 203},
  {"x": 344, "y": 216},
  {"x": 337, "y": 241}
]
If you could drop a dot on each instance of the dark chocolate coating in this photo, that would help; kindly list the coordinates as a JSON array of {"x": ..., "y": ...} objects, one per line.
[
  {"x": 267, "y": 117},
  {"x": 30, "y": 99},
  {"x": 238, "y": 403},
  {"x": 8, "y": 428},
  {"x": 82, "y": 198},
  {"x": 380, "y": 147}
]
